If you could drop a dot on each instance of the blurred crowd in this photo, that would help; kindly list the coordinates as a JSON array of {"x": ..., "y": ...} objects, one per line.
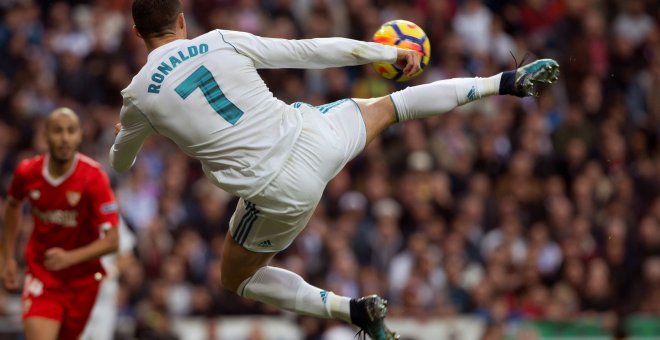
[{"x": 507, "y": 209}]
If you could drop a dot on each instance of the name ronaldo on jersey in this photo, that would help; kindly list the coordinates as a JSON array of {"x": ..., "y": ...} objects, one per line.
[{"x": 172, "y": 62}]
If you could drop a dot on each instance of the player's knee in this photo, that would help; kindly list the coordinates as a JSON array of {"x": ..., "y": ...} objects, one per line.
[
  {"x": 231, "y": 278},
  {"x": 239, "y": 264},
  {"x": 230, "y": 282},
  {"x": 378, "y": 114},
  {"x": 41, "y": 328}
]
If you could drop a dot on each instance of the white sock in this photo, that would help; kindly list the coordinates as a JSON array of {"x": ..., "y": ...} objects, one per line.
[
  {"x": 441, "y": 96},
  {"x": 287, "y": 290}
]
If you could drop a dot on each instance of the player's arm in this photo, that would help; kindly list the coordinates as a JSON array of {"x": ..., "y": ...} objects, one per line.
[
  {"x": 13, "y": 214},
  {"x": 134, "y": 129},
  {"x": 58, "y": 258},
  {"x": 310, "y": 53},
  {"x": 9, "y": 237}
]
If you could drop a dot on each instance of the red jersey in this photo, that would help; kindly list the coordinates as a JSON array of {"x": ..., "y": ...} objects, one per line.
[{"x": 69, "y": 212}]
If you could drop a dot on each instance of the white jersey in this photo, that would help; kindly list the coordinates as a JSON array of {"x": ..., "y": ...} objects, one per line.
[{"x": 205, "y": 95}]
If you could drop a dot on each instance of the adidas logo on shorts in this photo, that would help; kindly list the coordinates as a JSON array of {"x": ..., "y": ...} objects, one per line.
[{"x": 265, "y": 244}]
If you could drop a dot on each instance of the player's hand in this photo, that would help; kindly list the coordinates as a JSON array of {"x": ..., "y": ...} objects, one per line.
[
  {"x": 57, "y": 259},
  {"x": 117, "y": 128},
  {"x": 9, "y": 274},
  {"x": 408, "y": 61}
]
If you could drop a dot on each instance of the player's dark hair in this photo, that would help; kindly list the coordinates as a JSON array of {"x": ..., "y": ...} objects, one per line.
[{"x": 155, "y": 18}]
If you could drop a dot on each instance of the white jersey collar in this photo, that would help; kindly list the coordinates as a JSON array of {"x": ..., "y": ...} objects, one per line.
[{"x": 160, "y": 49}]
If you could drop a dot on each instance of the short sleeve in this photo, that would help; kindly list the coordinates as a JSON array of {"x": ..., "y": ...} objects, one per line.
[
  {"x": 103, "y": 202},
  {"x": 17, "y": 184}
]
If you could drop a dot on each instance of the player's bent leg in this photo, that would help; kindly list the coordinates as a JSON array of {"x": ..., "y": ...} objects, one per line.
[
  {"x": 41, "y": 328},
  {"x": 246, "y": 273},
  {"x": 289, "y": 291}
]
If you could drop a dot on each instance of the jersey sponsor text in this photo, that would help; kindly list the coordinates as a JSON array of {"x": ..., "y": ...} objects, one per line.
[{"x": 65, "y": 218}]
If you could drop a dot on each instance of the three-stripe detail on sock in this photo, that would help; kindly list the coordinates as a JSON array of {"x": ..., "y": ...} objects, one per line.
[{"x": 245, "y": 225}]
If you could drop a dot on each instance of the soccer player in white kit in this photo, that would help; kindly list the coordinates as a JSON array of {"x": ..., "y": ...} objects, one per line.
[
  {"x": 103, "y": 318},
  {"x": 205, "y": 95}
]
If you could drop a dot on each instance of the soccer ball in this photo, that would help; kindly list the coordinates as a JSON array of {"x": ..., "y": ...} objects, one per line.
[{"x": 402, "y": 34}]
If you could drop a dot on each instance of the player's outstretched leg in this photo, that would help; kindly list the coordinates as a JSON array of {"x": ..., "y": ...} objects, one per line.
[
  {"x": 435, "y": 98},
  {"x": 441, "y": 96},
  {"x": 248, "y": 274}
]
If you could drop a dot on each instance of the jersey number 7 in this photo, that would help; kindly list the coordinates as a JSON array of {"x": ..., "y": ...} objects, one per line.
[{"x": 203, "y": 79}]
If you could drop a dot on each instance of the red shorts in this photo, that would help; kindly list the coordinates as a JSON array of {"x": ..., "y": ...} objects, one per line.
[{"x": 70, "y": 306}]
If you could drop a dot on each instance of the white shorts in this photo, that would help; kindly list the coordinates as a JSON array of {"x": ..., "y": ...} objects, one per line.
[
  {"x": 101, "y": 324},
  {"x": 332, "y": 135}
]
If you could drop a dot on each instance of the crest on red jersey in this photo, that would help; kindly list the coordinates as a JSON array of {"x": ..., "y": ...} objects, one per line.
[{"x": 73, "y": 197}]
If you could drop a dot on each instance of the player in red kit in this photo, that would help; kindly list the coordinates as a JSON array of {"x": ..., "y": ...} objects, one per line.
[{"x": 72, "y": 206}]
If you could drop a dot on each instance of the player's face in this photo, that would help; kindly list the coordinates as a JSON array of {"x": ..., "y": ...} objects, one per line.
[{"x": 63, "y": 135}]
